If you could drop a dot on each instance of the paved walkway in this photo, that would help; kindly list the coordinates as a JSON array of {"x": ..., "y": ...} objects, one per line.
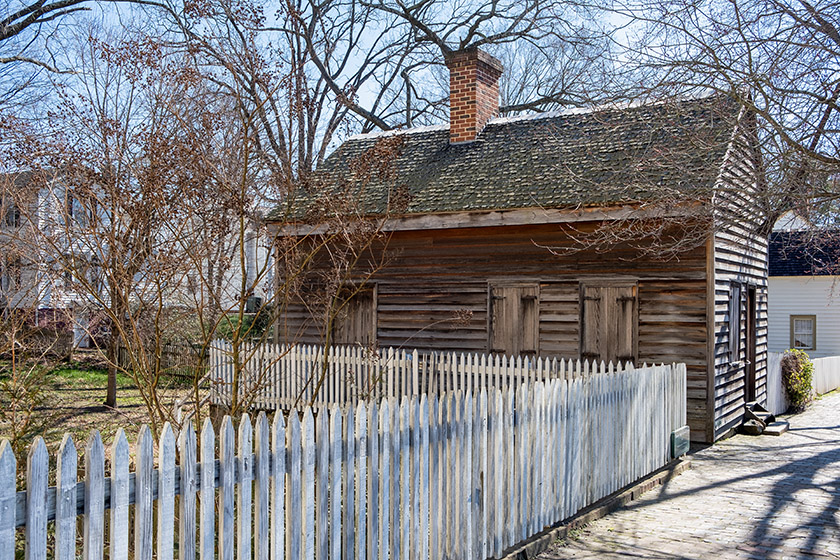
[{"x": 746, "y": 497}]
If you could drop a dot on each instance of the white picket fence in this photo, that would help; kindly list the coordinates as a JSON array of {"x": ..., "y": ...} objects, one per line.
[
  {"x": 826, "y": 374},
  {"x": 826, "y": 378},
  {"x": 283, "y": 377},
  {"x": 777, "y": 402},
  {"x": 457, "y": 476}
]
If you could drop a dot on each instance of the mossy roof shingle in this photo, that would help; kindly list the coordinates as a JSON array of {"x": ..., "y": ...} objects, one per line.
[{"x": 571, "y": 159}]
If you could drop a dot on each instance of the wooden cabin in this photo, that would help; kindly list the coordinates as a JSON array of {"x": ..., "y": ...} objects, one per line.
[{"x": 627, "y": 234}]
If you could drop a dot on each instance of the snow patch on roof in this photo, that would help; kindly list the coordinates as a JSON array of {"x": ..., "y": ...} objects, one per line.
[
  {"x": 394, "y": 132},
  {"x": 616, "y": 106}
]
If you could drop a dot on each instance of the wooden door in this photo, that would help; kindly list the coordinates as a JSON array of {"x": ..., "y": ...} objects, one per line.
[
  {"x": 751, "y": 342},
  {"x": 356, "y": 321},
  {"x": 609, "y": 322},
  {"x": 514, "y": 318}
]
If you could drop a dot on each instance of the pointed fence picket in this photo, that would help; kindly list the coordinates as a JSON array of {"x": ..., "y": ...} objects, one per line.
[{"x": 462, "y": 475}]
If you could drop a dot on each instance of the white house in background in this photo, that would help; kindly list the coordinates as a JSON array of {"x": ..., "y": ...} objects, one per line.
[
  {"x": 803, "y": 292},
  {"x": 791, "y": 221},
  {"x": 31, "y": 279}
]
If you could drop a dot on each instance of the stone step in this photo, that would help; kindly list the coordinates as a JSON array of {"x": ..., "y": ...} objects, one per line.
[{"x": 776, "y": 428}]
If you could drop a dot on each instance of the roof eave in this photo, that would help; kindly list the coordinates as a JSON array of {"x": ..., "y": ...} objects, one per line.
[{"x": 496, "y": 218}]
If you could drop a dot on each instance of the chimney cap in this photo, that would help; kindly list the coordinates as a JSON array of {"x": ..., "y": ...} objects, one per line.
[{"x": 473, "y": 54}]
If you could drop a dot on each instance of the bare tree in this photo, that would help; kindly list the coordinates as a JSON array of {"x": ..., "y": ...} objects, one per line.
[
  {"x": 308, "y": 73},
  {"x": 778, "y": 59},
  {"x": 120, "y": 176},
  {"x": 33, "y": 35}
]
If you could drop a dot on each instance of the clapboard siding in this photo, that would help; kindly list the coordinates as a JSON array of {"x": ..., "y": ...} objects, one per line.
[
  {"x": 432, "y": 294},
  {"x": 559, "y": 318},
  {"x": 740, "y": 255},
  {"x": 672, "y": 322},
  {"x": 440, "y": 316},
  {"x": 805, "y": 295}
]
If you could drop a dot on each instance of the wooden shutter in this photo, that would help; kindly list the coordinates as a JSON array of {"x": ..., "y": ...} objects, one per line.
[
  {"x": 356, "y": 323},
  {"x": 514, "y": 318},
  {"x": 609, "y": 322}
]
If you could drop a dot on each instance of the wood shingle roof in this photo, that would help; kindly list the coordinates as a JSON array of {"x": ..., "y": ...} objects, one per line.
[{"x": 560, "y": 160}]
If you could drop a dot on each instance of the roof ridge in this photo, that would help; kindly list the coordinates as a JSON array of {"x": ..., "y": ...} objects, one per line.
[{"x": 613, "y": 106}]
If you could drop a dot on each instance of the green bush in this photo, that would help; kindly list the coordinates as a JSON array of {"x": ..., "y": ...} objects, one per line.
[
  {"x": 797, "y": 373},
  {"x": 253, "y": 325}
]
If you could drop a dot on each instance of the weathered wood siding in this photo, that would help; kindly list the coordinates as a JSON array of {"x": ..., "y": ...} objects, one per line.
[
  {"x": 433, "y": 295},
  {"x": 740, "y": 256}
]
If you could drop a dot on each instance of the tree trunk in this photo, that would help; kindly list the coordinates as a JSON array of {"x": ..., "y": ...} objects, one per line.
[
  {"x": 113, "y": 353},
  {"x": 111, "y": 393},
  {"x": 113, "y": 356}
]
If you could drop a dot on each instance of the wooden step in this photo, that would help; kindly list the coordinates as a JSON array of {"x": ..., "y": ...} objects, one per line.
[{"x": 776, "y": 428}]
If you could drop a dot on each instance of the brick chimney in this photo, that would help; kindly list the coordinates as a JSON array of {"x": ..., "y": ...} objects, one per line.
[{"x": 473, "y": 92}]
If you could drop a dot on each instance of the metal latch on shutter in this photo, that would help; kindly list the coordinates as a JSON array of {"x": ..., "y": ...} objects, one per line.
[{"x": 592, "y": 298}]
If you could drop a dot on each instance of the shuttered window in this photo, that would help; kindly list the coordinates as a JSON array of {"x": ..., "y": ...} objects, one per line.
[
  {"x": 609, "y": 322},
  {"x": 514, "y": 318},
  {"x": 10, "y": 274},
  {"x": 356, "y": 321}
]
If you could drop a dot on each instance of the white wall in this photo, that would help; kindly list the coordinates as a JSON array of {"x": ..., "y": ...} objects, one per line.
[
  {"x": 826, "y": 378},
  {"x": 776, "y": 397},
  {"x": 826, "y": 374},
  {"x": 811, "y": 295}
]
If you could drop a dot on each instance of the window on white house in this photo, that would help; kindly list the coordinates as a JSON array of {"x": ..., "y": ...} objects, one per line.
[
  {"x": 803, "y": 332},
  {"x": 10, "y": 274},
  {"x": 76, "y": 210},
  {"x": 12, "y": 215}
]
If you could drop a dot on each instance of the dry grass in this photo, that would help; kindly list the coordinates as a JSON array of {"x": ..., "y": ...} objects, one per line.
[{"x": 73, "y": 403}]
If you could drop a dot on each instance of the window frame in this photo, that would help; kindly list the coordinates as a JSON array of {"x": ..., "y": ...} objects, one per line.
[
  {"x": 349, "y": 293},
  {"x": 513, "y": 340},
  {"x": 11, "y": 274},
  {"x": 813, "y": 319},
  {"x": 13, "y": 212}
]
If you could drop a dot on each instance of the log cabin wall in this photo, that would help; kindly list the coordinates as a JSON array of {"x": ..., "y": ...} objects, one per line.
[
  {"x": 438, "y": 287},
  {"x": 738, "y": 373}
]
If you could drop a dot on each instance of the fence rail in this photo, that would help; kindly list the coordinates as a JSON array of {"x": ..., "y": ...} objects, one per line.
[
  {"x": 283, "y": 377},
  {"x": 455, "y": 476}
]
